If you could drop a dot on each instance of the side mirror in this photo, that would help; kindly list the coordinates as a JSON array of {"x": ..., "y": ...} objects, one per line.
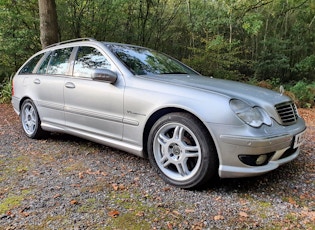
[{"x": 104, "y": 75}]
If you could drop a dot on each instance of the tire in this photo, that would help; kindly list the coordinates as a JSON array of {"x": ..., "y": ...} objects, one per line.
[
  {"x": 182, "y": 151},
  {"x": 30, "y": 120}
]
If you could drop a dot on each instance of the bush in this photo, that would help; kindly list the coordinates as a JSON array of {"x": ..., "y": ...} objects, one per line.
[
  {"x": 304, "y": 94},
  {"x": 305, "y": 68},
  {"x": 6, "y": 90}
]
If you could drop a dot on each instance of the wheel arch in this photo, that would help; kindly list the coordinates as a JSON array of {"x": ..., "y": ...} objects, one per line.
[
  {"x": 22, "y": 101},
  {"x": 157, "y": 115}
]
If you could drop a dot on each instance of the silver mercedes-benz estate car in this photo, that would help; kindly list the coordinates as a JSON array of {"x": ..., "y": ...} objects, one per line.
[{"x": 192, "y": 128}]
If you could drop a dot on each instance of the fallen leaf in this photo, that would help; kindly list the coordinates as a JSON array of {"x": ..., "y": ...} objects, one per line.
[
  {"x": 292, "y": 201},
  {"x": 243, "y": 214},
  {"x": 104, "y": 174},
  {"x": 176, "y": 213},
  {"x": 115, "y": 187},
  {"x": 140, "y": 213},
  {"x": 74, "y": 202},
  {"x": 189, "y": 210},
  {"x": 114, "y": 213},
  {"x": 169, "y": 225},
  {"x": 57, "y": 195},
  {"x": 302, "y": 197},
  {"x": 76, "y": 185},
  {"x": 121, "y": 187},
  {"x": 219, "y": 217},
  {"x": 166, "y": 189},
  {"x": 81, "y": 175},
  {"x": 25, "y": 214}
]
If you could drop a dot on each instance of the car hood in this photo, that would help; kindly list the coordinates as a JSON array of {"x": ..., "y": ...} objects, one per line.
[{"x": 252, "y": 94}]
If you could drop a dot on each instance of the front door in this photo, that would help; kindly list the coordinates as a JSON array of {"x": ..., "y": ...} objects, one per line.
[{"x": 93, "y": 107}]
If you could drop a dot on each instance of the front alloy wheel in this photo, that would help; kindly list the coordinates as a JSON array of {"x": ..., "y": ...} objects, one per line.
[{"x": 182, "y": 151}]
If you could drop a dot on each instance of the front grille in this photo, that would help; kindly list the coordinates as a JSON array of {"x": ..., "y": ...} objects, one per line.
[{"x": 287, "y": 113}]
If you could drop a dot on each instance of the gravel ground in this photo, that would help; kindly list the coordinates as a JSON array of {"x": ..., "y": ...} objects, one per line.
[{"x": 64, "y": 182}]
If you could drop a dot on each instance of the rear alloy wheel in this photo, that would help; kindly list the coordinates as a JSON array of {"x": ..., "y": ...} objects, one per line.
[
  {"x": 30, "y": 120},
  {"x": 182, "y": 151}
]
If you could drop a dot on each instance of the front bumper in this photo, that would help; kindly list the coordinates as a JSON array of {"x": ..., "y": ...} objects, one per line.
[
  {"x": 234, "y": 141},
  {"x": 227, "y": 171}
]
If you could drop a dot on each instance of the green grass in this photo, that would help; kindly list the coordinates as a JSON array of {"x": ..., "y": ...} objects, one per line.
[{"x": 12, "y": 201}]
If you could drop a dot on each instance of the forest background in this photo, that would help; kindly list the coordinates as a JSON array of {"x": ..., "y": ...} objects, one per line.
[{"x": 263, "y": 42}]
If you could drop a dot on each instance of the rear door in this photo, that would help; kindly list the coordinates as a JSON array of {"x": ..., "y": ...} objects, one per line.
[
  {"x": 47, "y": 85},
  {"x": 93, "y": 107}
]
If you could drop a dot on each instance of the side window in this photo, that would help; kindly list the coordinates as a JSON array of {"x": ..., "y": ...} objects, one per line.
[
  {"x": 59, "y": 61},
  {"x": 44, "y": 65},
  {"x": 30, "y": 65},
  {"x": 89, "y": 58}
]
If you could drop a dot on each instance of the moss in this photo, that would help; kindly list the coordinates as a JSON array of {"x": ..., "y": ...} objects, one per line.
[
  {"x": 50, "y": 220},
  {"x": 76, "y": 166},
  {"x": 130, "y": 221},
  {"x": 264, "y": 204},
  {"x": 15, "y": 165},
  {"x": 88, "y": 206},
  {"x": 135, "y": 209},
  {"x": 12, "y": 201},
  {"x": 100, "y": 187}
]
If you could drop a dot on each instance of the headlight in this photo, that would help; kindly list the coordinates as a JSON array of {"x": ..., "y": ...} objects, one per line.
[{"x": 253, "y": 116}]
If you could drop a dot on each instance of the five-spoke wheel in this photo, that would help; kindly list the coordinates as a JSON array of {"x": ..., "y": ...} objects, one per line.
[
  {"x": 30, "y": 120},
  {"x": 182, "y": 151}
]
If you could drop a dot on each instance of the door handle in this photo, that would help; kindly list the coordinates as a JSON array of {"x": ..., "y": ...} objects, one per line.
[
  {"x": 36, "y": 81},
  {"x": 70, "y": 85}
]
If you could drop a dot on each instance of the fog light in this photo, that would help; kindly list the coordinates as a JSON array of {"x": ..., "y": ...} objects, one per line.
[
  {"x": 261, "y": 159},
  {"x": 256, "y": 160}
]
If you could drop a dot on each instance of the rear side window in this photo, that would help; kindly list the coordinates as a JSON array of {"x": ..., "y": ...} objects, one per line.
[
  {"x": 30, "y": 65},
  {"x": 88, "y": 59},
  {"x": 59, "y": 61},
  {"x": 44, "y": 65}
]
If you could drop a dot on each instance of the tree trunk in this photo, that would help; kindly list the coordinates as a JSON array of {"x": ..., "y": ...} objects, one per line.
[{"x": 49, "y": 32}]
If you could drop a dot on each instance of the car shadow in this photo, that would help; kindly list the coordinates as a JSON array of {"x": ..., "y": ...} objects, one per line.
[
  {"x": 272, "y": 181},
  {"x": 284, "y": 178}
]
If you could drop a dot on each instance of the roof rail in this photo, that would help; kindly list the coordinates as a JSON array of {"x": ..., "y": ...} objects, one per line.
[{"x": 69, "y": 41}]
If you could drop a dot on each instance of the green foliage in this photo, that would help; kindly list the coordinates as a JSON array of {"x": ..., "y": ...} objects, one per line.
[
  {"x": 19, "y": 34},
  {"x": 304, "y": 93},
  {"x": 218, "y": 58},
  {"x": 6, "y": 90},
  {"x": 227, "y": 39},
  {"x": 306, "y": 67},
  {"x": 274, "y": 62},
  {"x": 252, "y": 23}
]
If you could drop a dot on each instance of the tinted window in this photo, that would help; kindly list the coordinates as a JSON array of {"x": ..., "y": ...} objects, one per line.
[
  {"x": 30, "y": 65},
  {"x": 59, "y": 61},
  {"x": 89, "y": 58}
]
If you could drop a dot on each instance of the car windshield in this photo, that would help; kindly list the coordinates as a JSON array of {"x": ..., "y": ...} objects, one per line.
[{"x": 142, "y": 61}]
